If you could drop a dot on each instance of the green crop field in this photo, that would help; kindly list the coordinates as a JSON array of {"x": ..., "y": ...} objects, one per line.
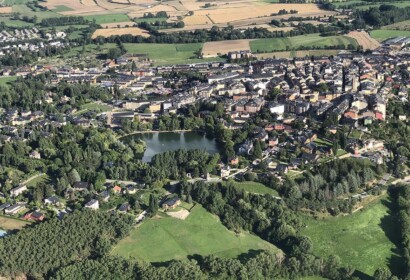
[
  {"x": 293, "y": 43},
  {"x": 362, "y": 240},
  {"x": 383, "y": 34},
  {"x": 166, "y": 238},
  {"x": 101, "y": 19},
  {"x": 255, "y": 187},
  {"x": 138, "y": 20},
  {"x": 15, "y": 2},
  {"x": 26, "y": 11}
]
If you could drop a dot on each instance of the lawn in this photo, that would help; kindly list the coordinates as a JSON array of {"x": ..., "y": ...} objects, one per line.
[
  {"x": 255, "y": 187},
  {"x": 8, "y": 223},
  {"x": 38, "y": 180},
  {"x": 164, "y": 238},
  {"x": 95, "y": 107},
  {"x": 5, "y": 80},
  {"x": 138, "y": 20},
  {"x": 14, "y": 23},
  {"x": 360, "y": 239},
  {"x": 101, "y": 19},
  {"x": 384, "y": 34},
  {"x": 293, "y": 43}
]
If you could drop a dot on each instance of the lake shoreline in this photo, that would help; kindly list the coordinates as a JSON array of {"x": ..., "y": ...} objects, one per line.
[{"x": 159, "y": 131}]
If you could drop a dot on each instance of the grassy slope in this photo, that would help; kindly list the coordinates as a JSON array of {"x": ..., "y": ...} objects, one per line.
[
  {"x": 166, "y": 238},
  {"x": 100, "y": 19},
  {"x": 255, "y": 187},
  {"x": 359, "y": 239},
  {"x": 6, "y": 80},
  {"x": 311, "y": 40},
  {"x": 382, "y": 34},
  {"x": 8, "y": 223}
]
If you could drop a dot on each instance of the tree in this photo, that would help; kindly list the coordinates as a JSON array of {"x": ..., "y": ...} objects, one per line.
[
  {"x": 73, "y": 176},
  {"x": 153, "y": 204},
  {"x": 382, "y": 273},
  {"x": 257, "y": 150}
]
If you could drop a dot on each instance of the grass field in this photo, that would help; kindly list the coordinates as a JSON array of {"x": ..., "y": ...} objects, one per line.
[
  {"x": 26, "y": 11},
  {"x": 15, "y": 23},
  {"x": 61, "y": 8},
  {"x": 5, "y": 80},
  {"x": 93, "y": 107},
  {"x": 38, "y": 180},
  {"x": 138, "y": 20},
  {"x": 7, "y": 223},
  {"x": 293, "y": 43},
  {"x": 383, "y": 34},
  {"x": 361, "y": 239},
  {"x": 255, "y": 187},
  {"x": 166, "y": 238},
  {"x": 100, "y": 19}
]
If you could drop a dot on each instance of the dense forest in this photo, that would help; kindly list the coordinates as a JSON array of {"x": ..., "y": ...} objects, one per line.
[{"x": 38, "y": 250}]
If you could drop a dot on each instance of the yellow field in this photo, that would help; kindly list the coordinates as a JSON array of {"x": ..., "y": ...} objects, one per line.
[
  {"x": 107, "y": 32},
  {"x": 233, "y": 14},
  {"x": 197, "y": 20},
  {"x": 213, "y": 49},
  {"x": 363, "y": 38},
  {"x": 6, "y": 10},
  {"x": 7, "y": 223},
  {"x": 116, "y": 24}
]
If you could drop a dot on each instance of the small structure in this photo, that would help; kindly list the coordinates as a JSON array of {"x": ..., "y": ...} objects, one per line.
[
  {"x": 34, "y": 216},
  {"x": 116, "y": 189},
  {"x": 35, "y": 155},
  {"x": 171, "y": 203},
  {"x": 105, "y": 195},
  {"x": 131, "y": 189},
  {"x": 124, "y": 207},
  {"x": 18, "y": 190},
  {"x": 92, "y": 204},
  {"x": 14, "y": 209},
  {"x": 81, "y": 186},
  {"x": 52, "y": 200}
]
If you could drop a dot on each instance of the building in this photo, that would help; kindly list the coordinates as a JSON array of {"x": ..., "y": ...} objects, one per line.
[
  {"x": 171, "y": 203},
  {"x": 34, "y": 216},
  {"x": 92, "y": 204},
  {"x": 18, "y": 190},
  {"x": 14, "y": 209},
  {"x": 52, "y": 200}
]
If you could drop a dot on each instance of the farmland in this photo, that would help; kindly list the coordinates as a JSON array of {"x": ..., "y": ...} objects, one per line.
[
  {"x": 363, "y": 38},
  {"x": 362, "y": 239},
  {"x": 201, "y": 233},
  {"x": 107, "y": 32},
  {"x": 110, "y": 18},
  {"x": 213, "y": 49},
  {"x": 306, "y": 41},
  {"x": 383, "y": 34},
  {"x": 254, "y": 187}
]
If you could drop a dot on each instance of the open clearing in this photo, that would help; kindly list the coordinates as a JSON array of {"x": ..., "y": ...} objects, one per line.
[
  {"x": 213, "y": 49},
  {"x": 107, "y": 32},
  {"x": 363, "y": 38},
  {"x": 165, "y": 238},
  {"x": 255, "y": 187},
  {"x": 306, "y": 41},
  {"x": 361, "y": 239},
  {"x": 8, "y": 223},
  {"x": 118, "y": 24},
  {"x": 6, "y": 10},
  {"x": 402, "y": 25},
  {"x": 383, "y": 34}
]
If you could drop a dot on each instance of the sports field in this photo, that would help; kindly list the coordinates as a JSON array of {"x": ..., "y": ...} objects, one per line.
[
  {"x": 255, "y": 187},
  {"x": 164, "y": 238},
  {"x": 362, "y": 240},
  {"x": 293, "y": 43}
]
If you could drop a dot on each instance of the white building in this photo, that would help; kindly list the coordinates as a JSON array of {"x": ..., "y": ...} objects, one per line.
[
  {"x": 92, "y": 204},
  {"x": 18, "y": 190}
]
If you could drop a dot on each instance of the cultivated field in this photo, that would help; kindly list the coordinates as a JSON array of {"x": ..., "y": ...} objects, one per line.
[
  {"x": 363, "y": 38},
  {"x": 294, "y": 43},
  {"x": 164, "y": 238},
  {"x": 107, "y": 32},
  {"x": 118, "y": 24},
  {"x": 382, "y": 34},
  {"x": 363, "y": 239},
  {"x": 254, "y": 187},
  {"x": 402, "y": 25},
  {"x": 7, "y": 223},
  {"x": 213, "y": 49}
]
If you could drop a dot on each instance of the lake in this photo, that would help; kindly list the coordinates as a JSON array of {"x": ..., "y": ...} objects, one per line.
[{"x": 160, "y": 142}]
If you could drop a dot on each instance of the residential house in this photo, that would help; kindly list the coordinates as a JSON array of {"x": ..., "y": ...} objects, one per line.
[
  {"x": 34, "y": 216},
  {"x": 18, "y": 190},
  {"x": 92, "y": 204},
  {"x": 52, "y": 200},
  {"x": 14, "y": 209},
  {"x": 171, "y": 203}
]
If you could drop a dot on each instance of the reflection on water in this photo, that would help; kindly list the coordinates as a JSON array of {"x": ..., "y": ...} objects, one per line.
[{"x": 160, "y": 142}]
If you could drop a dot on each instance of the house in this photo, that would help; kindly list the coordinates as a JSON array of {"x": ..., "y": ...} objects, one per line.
[
  {"x": 14, "y": 209},
  {"x": 131, "y": 189},
  {"x": 272, "y": 142},
  {"x": 282, "y": 168},
  {"x": 105, "y": 195},
  {"x": 52, "y": 200},
  {"x": 34, "y": 216},
  {"x": 225, "y": 171},
  {"x": 35, "y": 155},
  {"x": 124, "y": 207},
  {"x": 18, "y": 190},
  {"x": 233, "y": 160},
  {"x": 92, "y": 204},
  {"x": 171, "y": 203},
  {"x": 116, "y": 189},
  {"x": 4, "y": 206},
  {"x": 81, "y": 186}
]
